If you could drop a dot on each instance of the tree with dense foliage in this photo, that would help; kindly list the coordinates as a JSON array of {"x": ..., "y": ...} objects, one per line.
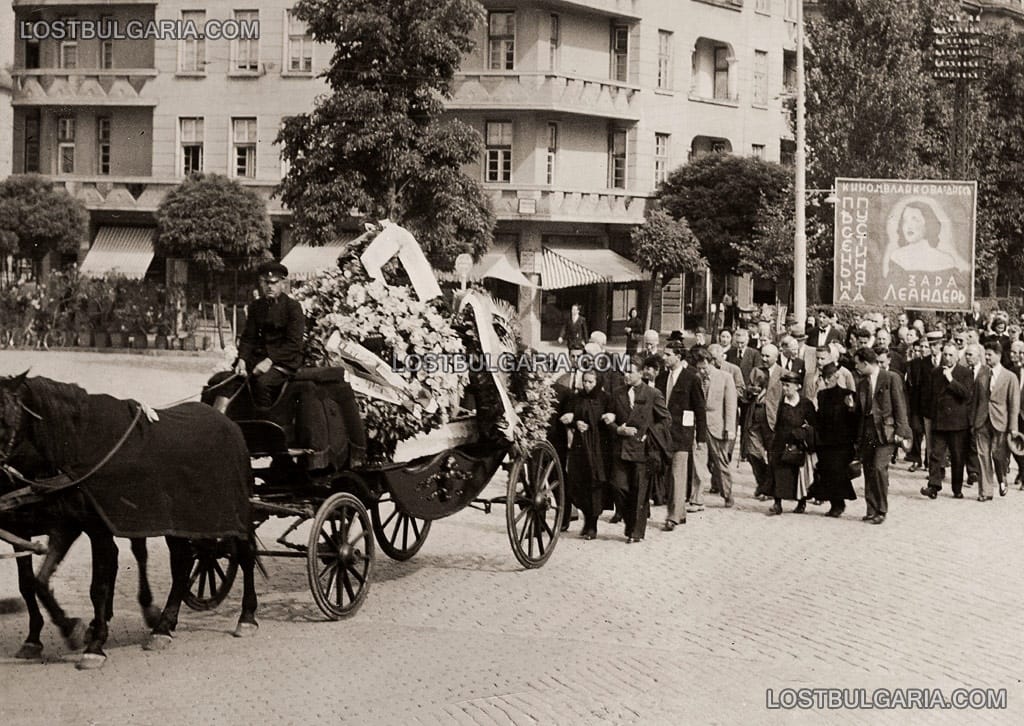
[
  {"x": 721, "y": 196},
  {"x": 665, "y": 247},
  {"x": 378, "y": 144},
  {"x": 214, "y": 222},
  {"x": 36, "y": 218}
]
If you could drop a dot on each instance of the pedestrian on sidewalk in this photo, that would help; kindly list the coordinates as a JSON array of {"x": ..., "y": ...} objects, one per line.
[{"x": 574, "y": 332}]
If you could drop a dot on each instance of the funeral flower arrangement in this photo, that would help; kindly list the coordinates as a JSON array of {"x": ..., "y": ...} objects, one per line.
[{"x": 391, "y": 321}]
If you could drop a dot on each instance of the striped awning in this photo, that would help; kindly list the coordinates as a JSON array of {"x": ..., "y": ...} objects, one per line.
[
  {"x": 304, "y": 261},
  {"x": 123, "y": 251},
  {"x": 575, "y": 266},
  {"x": 500, "y": 263}
]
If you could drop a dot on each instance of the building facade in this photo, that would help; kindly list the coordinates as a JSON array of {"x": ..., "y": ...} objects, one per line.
[{"x": 584, "y": 106}]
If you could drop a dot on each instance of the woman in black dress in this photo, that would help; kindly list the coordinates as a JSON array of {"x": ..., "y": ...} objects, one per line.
[
  {"x": 587, "y": 472},
  {"x": 634, "y": 329},
  {"x": 793, "y": 439},
  {"x": 835, "y": 443}
]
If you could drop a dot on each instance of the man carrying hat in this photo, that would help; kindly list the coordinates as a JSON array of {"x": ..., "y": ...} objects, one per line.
[{"x": 270, "y": 349}]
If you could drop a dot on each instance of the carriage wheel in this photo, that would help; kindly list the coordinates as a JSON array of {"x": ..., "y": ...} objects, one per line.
[
  {"x": 536, "y": 505},
  {"x": 399, "y": 535},
  {"x": 340, "y": 555},
  {"x": 214, "y": 566}
]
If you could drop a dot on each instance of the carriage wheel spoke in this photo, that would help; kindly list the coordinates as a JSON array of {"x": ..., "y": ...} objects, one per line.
[
  {"x": 348, "y": 587},
  {"x": 527, "y": 525},
  {"x": 331, "y": 578},
  {"x": 202, "y": 581},
  {"x": 220, "y": 571},
  {"x": 355, "y": 573},
  {"x": 355, "y": 540},
  {"x": 387, "y": 521},
  {"x": 405, "y": 533},
  {"x": 521, "y": 514},
  {"x": 547, "y": 527}
]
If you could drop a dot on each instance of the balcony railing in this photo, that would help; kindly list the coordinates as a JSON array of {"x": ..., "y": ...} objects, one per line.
[
  {"x": 143, "y": 194},
  {"x": 704, "y": 96},
  {"x": 545, "y": 91},
  {"x": 82, "y": 87},
  {"x": 613, "y": 8},
  {"x": 605, "y": 206}
]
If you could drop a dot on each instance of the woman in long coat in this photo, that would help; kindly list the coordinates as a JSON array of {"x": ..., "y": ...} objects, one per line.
[
  {"x": 835, "y": 443},
  {"x": 588, "y": 472},
  {"x": 794, "y": 426}
]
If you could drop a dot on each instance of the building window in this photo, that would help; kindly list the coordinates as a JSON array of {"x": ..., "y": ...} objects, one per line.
[
  {"x": 245, "y": 52},
  {"x": 623, "y": 300},
  {"x": 664, "y": 59},
  {"x": 106, "y": 46},
  {"x": 761, "y": 77},
  {"x": 620, "y": 53},
  {"x": 191, "y": 131},
  {"x": 555, "y": 42},
  {"x": 501, "y": 41},
  {"x": 103, "y": 144},
  {"x": 792, "y": 9},
  {"x": 789, "y": 71},
  {"x": 787, "y": 152},
  {"x": 757, "y": 151},
  {"x": 763, "y": 6},
  {"x": 31, "y": 54},
  {"x": 552, "y": 152},
  {"x": 66, "y": 145},
  {"x": 32, "y": 142},
  {"x": 300, "y": 46},
  {"x": 192, "y": 51},
  {"x": 69, "y": 53},
  {"x": 285, "y": 164},
  {"x": 498, "y": 169},
  {"x": 243, "y": 135},
  {"x": 617, "y": 159},
  {"x": 660, "y": 158},
  {"x": 721, "y": 78}
]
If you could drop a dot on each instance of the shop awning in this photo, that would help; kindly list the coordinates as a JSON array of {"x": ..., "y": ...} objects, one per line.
[
  {"x": 123, "y": 251},
  {"x": 500, "y": 263},
  {"x": 572, "y": 266},
  {"x": 304, "y": 261}
]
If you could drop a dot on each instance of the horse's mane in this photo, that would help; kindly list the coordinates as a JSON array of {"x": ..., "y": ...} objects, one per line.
[{"x": 61, "y": 408}]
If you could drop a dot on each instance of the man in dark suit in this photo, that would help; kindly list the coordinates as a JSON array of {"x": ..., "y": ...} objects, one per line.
[
  {"x": 918, "y": 371},
  {"x": 827, "y": 331},
  {"x": 742, "y": 355},
  {"x": 882, "y": 410},
  {"x": 791, "y": 360},
  {"x": 270, "y": 348},
  {"x": 637, "y": 411},
  {"x": 682, "y": 391},
  {"x": 574, "y": 332},
  {"x": 951, "y": 395}
]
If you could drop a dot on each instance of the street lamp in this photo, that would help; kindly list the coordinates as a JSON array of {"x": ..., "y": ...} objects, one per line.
[{"x": 960, "y": 56}]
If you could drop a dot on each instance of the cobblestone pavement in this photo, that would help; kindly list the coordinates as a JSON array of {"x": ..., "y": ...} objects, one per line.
[{"x": 688, "y": 627}]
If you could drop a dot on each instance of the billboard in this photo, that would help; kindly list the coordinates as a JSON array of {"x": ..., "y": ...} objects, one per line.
[{"x": 904, "y": 243}]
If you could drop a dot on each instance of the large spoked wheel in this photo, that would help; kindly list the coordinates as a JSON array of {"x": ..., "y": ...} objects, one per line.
[
  {"x": 536, "y": 505},
  {"x": 340, "y": 555},
  {"x": 214, "y": 566},
  {"x": 399, "y": 535}
]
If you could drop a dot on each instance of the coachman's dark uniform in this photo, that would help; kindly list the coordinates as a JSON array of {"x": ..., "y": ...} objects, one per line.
[{"x": 274, "y": 330}]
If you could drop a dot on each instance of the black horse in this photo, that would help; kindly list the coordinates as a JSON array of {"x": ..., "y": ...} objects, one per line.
[{"x": 184, "y": 477}]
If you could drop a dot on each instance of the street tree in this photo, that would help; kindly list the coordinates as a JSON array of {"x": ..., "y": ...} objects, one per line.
[
  {"x": 36, "y": 218},
  {"x": 378, "y": 144},
  {"x": 215, "y": 223},
  {"x": 721, "y": 197},
  {"x": 665, "y": 247}
]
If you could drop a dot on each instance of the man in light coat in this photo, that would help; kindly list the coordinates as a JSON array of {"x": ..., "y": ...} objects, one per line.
[
  {"x": 993, "y": 426},
  {"x": 719, "y": 430}
]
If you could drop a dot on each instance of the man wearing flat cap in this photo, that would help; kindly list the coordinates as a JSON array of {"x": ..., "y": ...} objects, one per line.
[{"x": 270, "y": 349}]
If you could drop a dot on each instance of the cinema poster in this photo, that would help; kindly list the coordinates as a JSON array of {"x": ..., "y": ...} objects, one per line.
[{"x": 908, "y": 244}]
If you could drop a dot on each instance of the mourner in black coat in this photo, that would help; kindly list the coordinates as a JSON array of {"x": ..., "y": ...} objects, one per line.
[
  {"x": 835, "y": 443},
  {"x": 588, "y": 471},
  {"x": 951, "y": 398}
]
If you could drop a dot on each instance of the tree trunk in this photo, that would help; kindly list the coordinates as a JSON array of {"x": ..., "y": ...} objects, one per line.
[{"x": 652, "y": 288}]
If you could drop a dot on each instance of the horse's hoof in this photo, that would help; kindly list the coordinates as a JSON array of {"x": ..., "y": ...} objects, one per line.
[
  {"x": 157, "y": 641},
  {"x": 245, "y": 630},
  {"x": 91, "y": 661},
  {"x": 76, "y": 638},
  {"x": 151, "y": 615},
  {"x": 30, "y": 651}
]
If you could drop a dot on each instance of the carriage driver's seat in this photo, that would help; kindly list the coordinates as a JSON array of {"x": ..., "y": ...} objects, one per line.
[{"x": 316, "y": 414}]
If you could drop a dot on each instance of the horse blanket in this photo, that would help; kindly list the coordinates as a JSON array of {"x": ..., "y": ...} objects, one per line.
[{"x": 186, "y": 475}]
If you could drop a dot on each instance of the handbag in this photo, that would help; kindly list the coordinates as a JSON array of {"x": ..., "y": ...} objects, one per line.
[
  {"x": 854, "y": 470},
  {"x": 792, "y": 455}
]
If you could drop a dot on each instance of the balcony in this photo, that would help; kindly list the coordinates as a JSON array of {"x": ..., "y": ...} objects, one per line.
[
  {"x": 611, "y": 8},
  {"x": 606, "y": 206},
  {"x": 697, "y": 94},
  {"x": 143, "y": 194},
  {"x": 545, "y": 91},
  {"x": 82, "y": 87}
]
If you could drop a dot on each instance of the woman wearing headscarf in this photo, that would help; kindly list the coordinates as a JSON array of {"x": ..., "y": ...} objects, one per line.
[
  {"x": 835, "y": 443},
  {"x": 587, "y": 472},
  {"x": 791, "y": 445}
]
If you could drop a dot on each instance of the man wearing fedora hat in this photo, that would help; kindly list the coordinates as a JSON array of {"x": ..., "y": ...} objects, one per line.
[{"x": 270, "y": 348}]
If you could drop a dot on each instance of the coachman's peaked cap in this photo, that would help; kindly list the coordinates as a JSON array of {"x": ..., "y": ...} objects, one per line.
[{"x": 273, "y": 270}]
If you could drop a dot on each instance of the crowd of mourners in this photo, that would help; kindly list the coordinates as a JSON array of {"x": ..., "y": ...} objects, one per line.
[{"x": 810, "y": 412}]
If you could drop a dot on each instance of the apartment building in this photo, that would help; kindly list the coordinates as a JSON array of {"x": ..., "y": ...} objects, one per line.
[{"x": 584, "y": 107}]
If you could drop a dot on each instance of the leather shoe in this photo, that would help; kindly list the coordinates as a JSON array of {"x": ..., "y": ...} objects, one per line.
[
  {"x": 668, "y": 526},
  {"x": 1002, "y": 488},
  {"x": 968, "y": 483},
  {"x": 775, "y": 509},
  {"x": 616, "y": 518},
  {"x": 867, "y": 517},
  {"x": 929, "y": 492},
  {"x": 694, "y": 508},
  {"x": 914, "y": 467},
  {"x": 588, "y": 534},
  {"x": 729, "y": 503},
  {"x": 878, "y": 519},
  {"x": 834, "y": 513},
  {"x": 800, "y": 508},
  {"x": 984, "y": 499},
  {"x": 958, "y": 495}
]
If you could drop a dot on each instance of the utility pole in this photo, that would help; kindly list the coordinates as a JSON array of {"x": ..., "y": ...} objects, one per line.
[{"x": 799, "y": 193}]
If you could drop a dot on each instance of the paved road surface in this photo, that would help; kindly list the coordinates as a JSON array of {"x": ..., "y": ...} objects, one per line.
[{"x": 688, "y": 627}]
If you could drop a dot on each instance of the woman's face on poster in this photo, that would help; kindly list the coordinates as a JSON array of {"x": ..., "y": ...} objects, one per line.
[{"x": 913, "y": 225}]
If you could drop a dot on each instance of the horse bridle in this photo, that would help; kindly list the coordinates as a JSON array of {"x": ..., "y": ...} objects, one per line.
[{"x": 14, "y": 409}]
